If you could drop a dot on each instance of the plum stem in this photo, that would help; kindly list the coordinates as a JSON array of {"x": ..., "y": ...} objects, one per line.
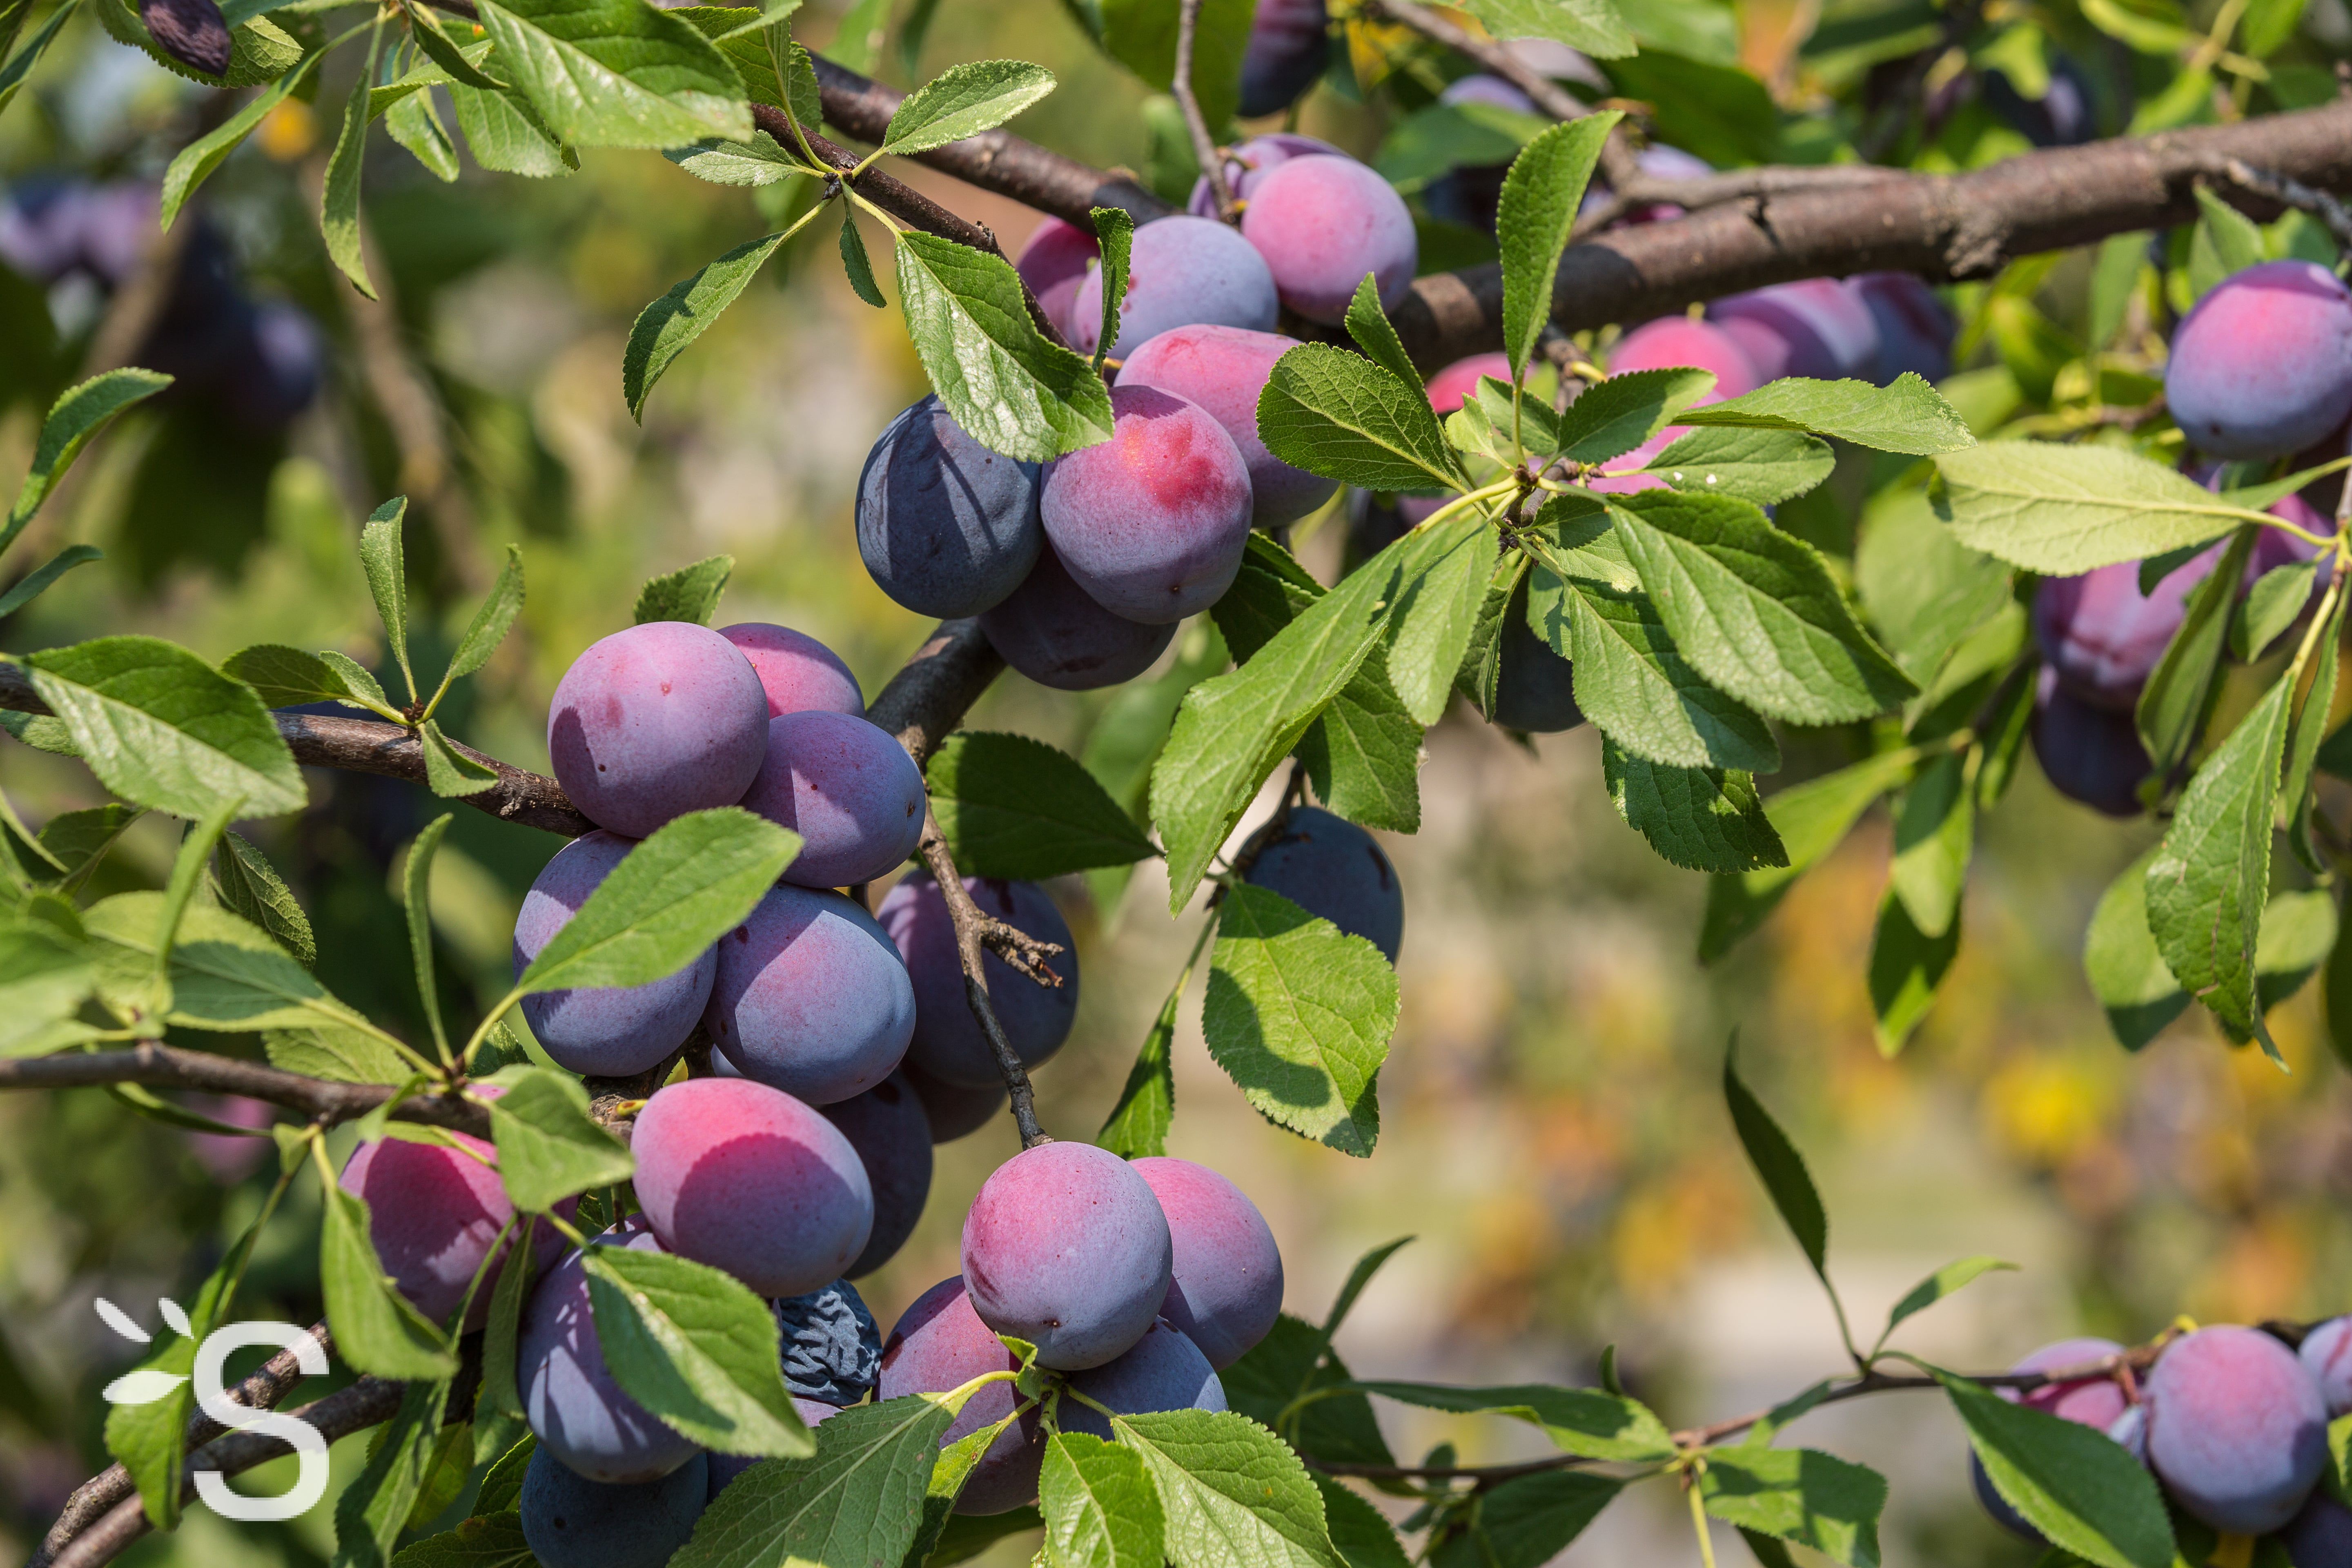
[
  {"x": 1204, "y": 145},
  {"x": 967, "y": 918}
]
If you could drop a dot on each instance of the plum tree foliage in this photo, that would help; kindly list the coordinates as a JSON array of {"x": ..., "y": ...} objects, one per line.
[{"x": 1639, "y": 519}]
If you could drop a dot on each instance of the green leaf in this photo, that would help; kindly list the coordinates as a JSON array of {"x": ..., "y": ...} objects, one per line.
[
  {"x": 259, "y": 50},
  {"x": 1797, "y": 1494},
  {"x": 77, "y": 417},
  {"x": 681, "y": 890},
  {"x": 696, "y": 1348},
  {"x": 1754, "y": 610},
  {"x": 491, "y": 622},
  {"x": 1716, "y": 113},
  {"x": 486, "y": 1540},
  {"x": 382, "y": 558},
  {"x": 1935, "y": 831},
  {"x": 454, "y": 58},
  {"x": 2274, "y": 603},
  {"x": 1137, "y": 1125},
  {"x": 373, "y": 1509},
  {"x": 855, "y": 262},
  {"x": 1360, "y": 1532},
  {"x": 1811, "y": 819},
  {"x": 1589, "y": 26},
  {"x": 1115, "y": 235},
  {"x": 1778, "y": 1165},
  {"x": 1613, "y": 418},
  {"x": 964, "y": 100},
  {"x": 1341, "y": 416},
  {"x": 2207, "y": 884},
  {"x": 250, "y": 887},
  {"x": 343, "y": 1055},
  {"x": 339, "y": 206},
  {"x": 1702, "y": 820},
  {"x": 20, "y": 65},
  {"x": 416, "y": 900},
  {"x": 1766, "y": 466},
  {"x": 549, "y": 1148},
  {"x": 1581, "y": 1421},
  {"x": 618, "y": 73},
  {"x": 1430, "y": 630},
  {"x": 2082, "y": 1489},
  {"x": 1524, "y": 1523},
  {"x": 1015, "y": 807},
  {"x": 38, "y": 583},
  {"x": 665, "y": 329},
  {"x": 858, "y": 1501},
  {"x": 1376, "y": 335},
  {"x": 1540, "y": 198},
  {"x": 956, "y": 1463},
  {"x": 1294, "y": 1358},
  {"x": 1300, "y": 1015},
  {"x": 1949, "y": 1280},
  {"x": 506, "y": 134},
  {"x": 2064, "y": 510},
  {"x": 1099, "y": 1506},
  {"x": 1906, "y": 966},
  {"x": 285, "y": 677},
  {"x": 2172, "y": 707},
  {"x": 1004, "y": 382},
  {"x": 689, "y": 594},
  {"x": 43, "y": 979},
  {"x": 1909, "y": 417},
  {"x": 1922, "y": 591},
  {"x": 415, "y": 124},
  {"x": 2126, "y": 970},
  {"x": 447, "y": 771},
  {"x": 2225, "y": 241},
  {"x": 758, "y": 162},
  {"x": 501, "y": 1395},
  {"x": 162, "y": 729},
  {"x": 1141, "y": 36},
  {"x": 1634, "y": 683},
  {"x": 199, "y": 158},
  {"x": 376, "y": 1329},
  {"x": 1233, "y": 1495},
  {"x": 2304, "y": 739},
  {"x": 1232, "y": 731}
]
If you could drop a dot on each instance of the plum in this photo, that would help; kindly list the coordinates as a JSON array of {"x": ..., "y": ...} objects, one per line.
[
  {"x": 576, "y": 1409},
  {"x": 953, "y": 1110},
  {"x": 2262, "y": 366},
  {"x": 2327, "y": 1351},
  {"x": 1181, "y": 271},
  {"x": 2088, "y": 753},
  {"x": 1289, "y": 41},
  {"x": 948, "y": 1043},
  {"x": 1164, "y": 1370},
  {"x": 1333, "y": 869},
  {"x": 2104, "y": 637},
  {"x": 603, "y": 1031},
  {"x": 2321, "y": 1535},
  {"x": 847, "y": 788},
  {"x": 2090, "y": 1402},
  {"x": 1914, "y": 326},
  {"x": 1054, "y": 264},
  {"x": 1449, "y": 387},
  {"x": 1053, "y": 631},
  {"x": 939, "y": 1344},
  {"x": 1065, "y": 1246},
  {"x": 1813, "y": 327},
  {"x": 945, "y": 526},
  {"x": 796, "y": 671},
  {"x": 1249, "y": 164},
  {"x": 655, "y": 721},
  {"x": 1224, "y": 369},
  {"x": 832, "y": 1350},
  {"x": 1227, "y": 1287},
  {"x": 1322, "y": 224},
  {"x": 1535, "y": 688},
  {"x": 810, "y": 996},
  {"x": 571, "y": 1522},
  {"x": 1671, "y": 341},
  {"x": 2236, "y": 1428},
  {"x": 892, "y": 1134}
]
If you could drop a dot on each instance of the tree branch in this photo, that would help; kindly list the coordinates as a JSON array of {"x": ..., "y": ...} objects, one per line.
[
  {"x": 967, "y": 918},
  {"x": 160, "y": 1066},
  {"x": 1196, "y": 124}
]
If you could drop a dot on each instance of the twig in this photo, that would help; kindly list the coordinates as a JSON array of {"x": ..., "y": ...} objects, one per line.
[
  {"x": 965, "y": 916},
  {"x": 269, "y": 1383},
  {"x": 160, "y": 1066},
  {"x": 2293, "y": 194},
  {"x": 1204, "y": 145}
]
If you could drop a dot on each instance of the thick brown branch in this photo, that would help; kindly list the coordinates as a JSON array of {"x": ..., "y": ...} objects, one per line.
[
  {"x": 937, "y": 686},
  {"x": 160, "y": 1066},
  {"x": 269, "y": 1383}
]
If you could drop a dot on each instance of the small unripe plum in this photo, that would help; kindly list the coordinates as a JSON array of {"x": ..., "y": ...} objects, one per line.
[
  {"x": 1053, "y": 631},
  {"x": 2327, "y": 1351},
  {"x": 2088, "y": 753},
  {"x": 1322, "y": 224},
  {"x": 796, "y": 671},
  {"x": 847, "y": 788},
  {"x": 2321, "y": 1535},
  {"x": 1164, "y": 1370},
  {"x": 725, "y": 1468},
  {"x": 2262, "y": 366},
  {"x": 571, "y": 1522},
  {"x": 1180, "y": 271},
  {"x": 605, "y": 1031},
  {"x": 1813, "y": 327},
  {"x": 1451, "y": 386},
  {"x": 954, "y": 1111},
  {"x": 1914, "y": 327},
  {"x": 1223, "y": 370},
  {"x": 576, "y": 1409},
  {"x": 940, "y": 1344},
  {"x": 811, "y": 997},
  {"x": 832, "y": 1350},
  {"x": 434, "y": 1214},
  {"x": 1065, "y": 1246},
  {"x": 1054, "y": 264},
  {"x": 1227, "y": 1289},
  {"x": 749, "y": 1179},
  {"x": 946, "y": 527},
  {"x": 948, "y": 1043},
  {"x": 1673, "y": 342},
  {"x": 1535, "y": 688},
  {"x": 2236, "y": 1428},
  {"x": 888, "y": 1128},
  {"x": 1247, "y": 165},
  {"x": 1334, "y": 870},
  {"x": 1288, "y": 42},
  {"x": 1152, "y": 522},
  {"x": 2096, "y": 1402},
  {"x": 655, "y": 721}
]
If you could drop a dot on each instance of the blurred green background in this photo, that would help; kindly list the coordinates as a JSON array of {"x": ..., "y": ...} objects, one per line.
[{"x": 1553, "y": 1130}]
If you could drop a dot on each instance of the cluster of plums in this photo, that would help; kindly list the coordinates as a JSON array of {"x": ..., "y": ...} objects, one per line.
[
  {"x": 2260, "y": 370},
  {"x": 2232, "y": 1422}
]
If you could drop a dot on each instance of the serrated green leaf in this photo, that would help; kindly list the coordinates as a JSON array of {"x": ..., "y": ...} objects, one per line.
[
  {"x": 1906, "y": 966},
  {"x": 449, "y": 773},
  {"x": 486, "y": 1540},
  {"x": 1137, "y": 1125},
  {"x": 1797, "y": 1494},
  {"x": 339, "y": 207},
  {"x": 1004, "y": 382},
  {"x": 1141, "y": 36},
  {"x": 2274, "y": 603},
  {"x": 1341, "y": 416},
  {"x": 44, "y": 977},
  {"x": 376, "y": 1329},
  {"x": 956, "y": 1463},
  {"x": 2062, "y": 509},
  {"x": 491, "y": 622},
  {"x": 1233, "y": 1495},
  {"x": 617, "y": 73},
  {"x": 758, "y": 162},
  {"x": 2172, "y": 707},
  {"x": 689, "y": 594},
  {"x": 1613, "y": 418},
  {"x": 1908, "y": 417},
  {"x": 1702, "y": 820},
  {"x": 1300, "y": 1015},
  {"x": 460, "y": 62},
  {"x": 1430, "y": 630},
  {"x": 665, "y": 329},
  {"x": 1523, "y": 1522},
  {"x": 162, "y": 729},
  {"x": 2127, "y": 973},
  {"x": 855, "y": 262},
  {"x": 415, "y": 124},
  {"x": 20, "y": 65},
  {"x": 1294, "y": 1358},
  {"x": 682, "y": 889},
  {"x": 416, "y": 900},
  {"x": 500, "y": 1393},
  {"x": 199, "y": 158},
  {"x": 1015, "y": 807},
  {"x": 382, "y": 558},
  {"x": 549, "y": 1147},
  {"x": 340, "y": 1054},
  {"x": 2225, "y": 241},
  {"x": 1811, "y": 819},
  {"x": 1115, "y": 238},
  {"x": 1589, "y": 26},
  {"x": 1754, "y": 610},
  {"x": 373, "y": 1509},
  {"x": 2304, "y": 739},
  {"x": 506, "y": 136},
  {"x": 1581, "y": 1421},
  {"x": 859, "y": 1500},
  {"x": 696, "y": 1348},
  {"x": 77, "y": 417},
  {"x": 1779, "y": 1166},
  {"x": 1100, "y": 1509},
  {"x": 1767, "y": 467},
  {"x": 287, "y": 677},
  {"x": 1542, "y": 194},
  {"x": 249, "y": 886},
  {"x": 35, "y": 584},
  {"x": 1922, "y": 591},
  {"x": 1935, "y": 832},
  {"x": 2082, "y": 1489},
  {"x": 964, "y": 100},
  {"x": 1949, "y": 1280},
  {"x": 1376, "y": 335},
  {"x": 1362, "y": 1535}
]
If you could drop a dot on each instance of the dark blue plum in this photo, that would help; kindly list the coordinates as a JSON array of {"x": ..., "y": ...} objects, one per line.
[
  {"x": 1163, "y": 1370},
  {"x": 954, "y": 1111},
  {"x": 948, "y": 1043},
  {"x": 602, "y": 1031},
  {"x": 571, "y": 1522},
  {"x": 1535, "y": 688},
  {"x": 832, "y": 1347},
  {"x": 1065, "y": 1246},
  {"x": 811, "y": 997},
  {"x": 2321, "y": 1535},
  {"x": 1181, "y": 270},
  {"x": 1289, "y": 41},
  {"x": 1053, "y": 632},
  {"x": 1332, "y": 868},
  {"x": 2236, "y": 1428},
  {"x": 2089, "y": 754},
  {"x": 939, "y": 1344},
  {"x": 946, "y": 526},
  {"x": 2061, "y": 116},
  {"x": 892, "y": 1134},
  {"x": 578, "y": 1412}
]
